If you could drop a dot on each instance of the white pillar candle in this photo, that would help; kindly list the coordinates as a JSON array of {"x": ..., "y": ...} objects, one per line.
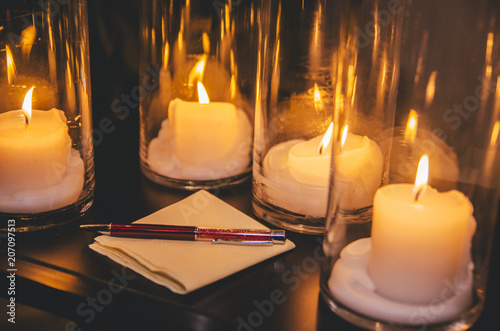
[
  {"x": 202, "y": 132},
  {"x": 281, "y": 189},
  {"x": 418, "y": 246},
  {"x": 35, "y": 157},
  {"x": 202, "y": 141},
  {"x": 351, "y": 285},
  {"x": 310, "y": 161},
  {"x": 358, "y": 172},
  {"x": 299, "y": 174}
]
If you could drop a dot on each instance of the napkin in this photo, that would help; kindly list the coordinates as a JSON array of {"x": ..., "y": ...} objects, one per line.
[{"x": 184, "y": 266}]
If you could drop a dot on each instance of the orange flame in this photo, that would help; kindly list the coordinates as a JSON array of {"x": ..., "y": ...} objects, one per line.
[
  {"x": 326, "y": 139},
  {"x": 422, "y": 177},
  {"x": 202, "y": 95},
  {"x": 411, "y": 127},
  {"x": 26, "y": 109},
  {"x": 11, "y": 67}
]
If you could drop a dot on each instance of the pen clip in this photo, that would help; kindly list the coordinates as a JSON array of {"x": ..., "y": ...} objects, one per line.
[{"x": 243, "y": 242}]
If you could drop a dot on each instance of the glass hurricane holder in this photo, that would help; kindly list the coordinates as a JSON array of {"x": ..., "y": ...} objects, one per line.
[
  {"x": 198, "y": 63},
  {"x": 47, "y": 169},
  {"x": 322, "y": 76},
  {"x": 422, "y": 263}
]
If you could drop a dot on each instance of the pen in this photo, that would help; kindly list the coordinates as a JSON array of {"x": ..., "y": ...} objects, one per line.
[{"x": 195, "y": 233}]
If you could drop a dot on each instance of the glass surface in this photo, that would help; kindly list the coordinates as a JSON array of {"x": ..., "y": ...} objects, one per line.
[
  {"x": 422, "y": 260},
  {"x": 324, "y": 73},
  {"x": 198, "y": 62},
  {"x": 47, "y": 170}
]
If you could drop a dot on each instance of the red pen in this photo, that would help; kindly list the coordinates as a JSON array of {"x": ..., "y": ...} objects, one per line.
[{"x": 194, "y": 233}]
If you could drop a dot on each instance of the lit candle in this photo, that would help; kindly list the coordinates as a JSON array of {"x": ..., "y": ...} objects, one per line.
[
  {"x": 202, "y": 131},
  {"x": 420, "y": 240},
  {"x": 298, "y": 173},
  {"x": 309, "y": 161},
  {"x": 37, "y": 156},
  {"x": 358, "y": 171},
  {"x": 410, "y": 143},
  {"x": 202, "y": 140}
]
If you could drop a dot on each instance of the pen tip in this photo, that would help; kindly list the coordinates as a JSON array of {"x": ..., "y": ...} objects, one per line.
[{"x": 94, "y": 227}]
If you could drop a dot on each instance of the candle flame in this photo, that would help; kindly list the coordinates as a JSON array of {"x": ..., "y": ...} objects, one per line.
[
  {"x": 205, "y": 42},
  {"x": 227, "y": 21},
  {"x": 26, "y": 109},
  {"x": 198, "y": 71},
  {"x": 318, "y": 103},
  {"x": 202, "y": 95},
  {"x": 11, "y": 67},
  {"x": 430, "y": 91},
  {"x": 232, "y": 87},
  {"x": 28, "y": 38},
  {"x": 326, "y": 139},
  {"x": 411, "y": 127},
  {"x": 166, "y": 55},
  {"x": 422, "y": 177}
]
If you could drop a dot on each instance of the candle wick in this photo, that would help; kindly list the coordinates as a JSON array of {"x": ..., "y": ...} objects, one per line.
[
  {"x": 26, "y": 121},
  {"x": 418, "y": 193},
  {"x": 321, "y": 149}
]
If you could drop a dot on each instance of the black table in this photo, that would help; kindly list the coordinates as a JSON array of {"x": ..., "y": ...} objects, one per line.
[{"x": 63, "y": 285}]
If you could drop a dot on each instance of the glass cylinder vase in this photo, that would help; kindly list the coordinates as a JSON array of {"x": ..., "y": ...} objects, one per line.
[
  {"x": 46, "y": 147},
  {"x": 198, "y": 62},
  {"x": 322, "y": 76},
  {"x": 422, "y": 261}
]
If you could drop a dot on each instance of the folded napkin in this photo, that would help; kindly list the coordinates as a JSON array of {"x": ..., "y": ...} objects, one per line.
[{"x": 184, "y": 266}]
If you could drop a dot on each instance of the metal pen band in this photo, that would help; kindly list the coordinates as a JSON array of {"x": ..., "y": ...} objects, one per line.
[{"x": 240, "y": 236}]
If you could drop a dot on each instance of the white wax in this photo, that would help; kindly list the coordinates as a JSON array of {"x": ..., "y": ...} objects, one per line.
[
  {"x": 202, "y": 132},
  {"x": 418, "y": 246},
  {"x": 296, "y": 176},
  {"x": 60, "y": 195},
  {"x": 358, "y": 172},
  {"x": 202, "y": 142},
  {"x": 351, "y": 285},
  {"x": 282, "y": 190},
  {"x": 35, "y": 158},
  {"x": 307, "y": 165}
]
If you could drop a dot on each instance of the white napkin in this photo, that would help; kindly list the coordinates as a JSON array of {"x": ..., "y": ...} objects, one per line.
[{"x": 184, "y": 266}]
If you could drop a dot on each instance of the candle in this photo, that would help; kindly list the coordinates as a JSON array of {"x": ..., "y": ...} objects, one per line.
[
  {"x": 309, "y": 161},
  {"x": 297, "y": 173},
  {"x": 410, "y": 143},
  {"x": 202, "y": 131},
  {"x": 37, "y": 156},
  {"x": 358, "y": 171},
  {"x": 420, "y": 240},
  {"x": 417, "y": 262},
  {"x": 202, "y": 140},
  {"x": 281, "y": 189}
]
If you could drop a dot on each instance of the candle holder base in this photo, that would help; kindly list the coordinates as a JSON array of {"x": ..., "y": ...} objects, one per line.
[
  {"x": 194, "y": 185},
  {"x": 286, "y": 219},
  {"x": 350, "y": 286},
  {"x": 45, "y": 220}
]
